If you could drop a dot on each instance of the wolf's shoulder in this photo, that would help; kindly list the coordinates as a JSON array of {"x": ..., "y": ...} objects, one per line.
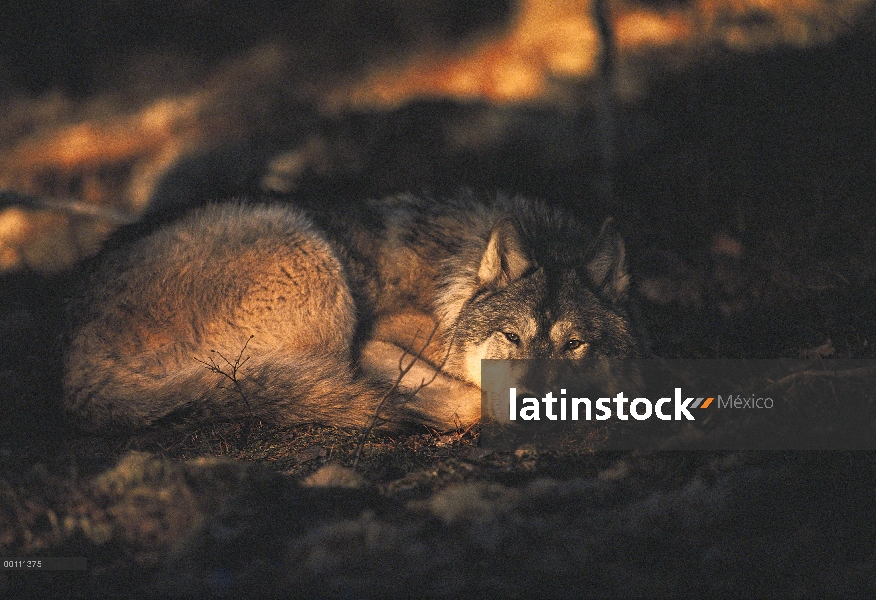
[
  {"x": 244, "y": 221},
  {"x": 216, "y": 240}
]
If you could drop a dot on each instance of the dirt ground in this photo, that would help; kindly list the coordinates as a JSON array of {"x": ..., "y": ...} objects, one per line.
[{"x": 742, "y": 181}]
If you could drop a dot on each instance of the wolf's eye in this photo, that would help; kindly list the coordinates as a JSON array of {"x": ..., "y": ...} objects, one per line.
[
  {"x": 512, "y": 337},
  {"x": 573, "y": 344}
]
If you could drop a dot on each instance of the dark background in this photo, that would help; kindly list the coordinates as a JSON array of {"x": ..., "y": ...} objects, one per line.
[{"x": 742, "y": 181}]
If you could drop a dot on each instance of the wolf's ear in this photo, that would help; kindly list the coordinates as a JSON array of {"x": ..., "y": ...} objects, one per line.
[
  {"x": 505, "y": 260},
  {"x": 608, "y": 266}
]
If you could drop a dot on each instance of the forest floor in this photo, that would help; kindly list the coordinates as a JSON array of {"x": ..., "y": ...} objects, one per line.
[{"x": 744, "y": 188}]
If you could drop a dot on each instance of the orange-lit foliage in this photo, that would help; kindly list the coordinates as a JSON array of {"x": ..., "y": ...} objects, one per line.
[
  {"x": 550, "y": 41},
  {"x": 545, "y": 38},
  {"x": 112, "y": 158},
  {"x": 110, "y": 154}
]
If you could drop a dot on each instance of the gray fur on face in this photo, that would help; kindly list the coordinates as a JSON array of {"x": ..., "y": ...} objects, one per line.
[{"x": 542, "y": 290}]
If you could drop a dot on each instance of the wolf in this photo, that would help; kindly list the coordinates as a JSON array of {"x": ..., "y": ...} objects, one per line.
[{"x": 260, "y": 309}]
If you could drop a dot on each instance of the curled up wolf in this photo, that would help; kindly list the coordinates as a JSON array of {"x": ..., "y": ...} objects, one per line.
[{"x": 322, "y": 316}]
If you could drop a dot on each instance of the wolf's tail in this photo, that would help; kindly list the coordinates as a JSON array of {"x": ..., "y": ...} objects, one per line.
[{"x": 273, "y": 386}]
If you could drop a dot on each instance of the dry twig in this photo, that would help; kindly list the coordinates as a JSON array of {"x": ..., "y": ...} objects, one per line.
[
  {"x": 403, "y": 370},
  {"x": 232, "y": 376}
]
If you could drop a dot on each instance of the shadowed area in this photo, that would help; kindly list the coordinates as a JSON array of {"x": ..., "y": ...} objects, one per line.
[{"x": 732, "y": 143}]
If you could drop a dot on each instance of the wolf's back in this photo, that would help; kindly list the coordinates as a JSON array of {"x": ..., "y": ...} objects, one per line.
[{"x": 155, "y": 315}]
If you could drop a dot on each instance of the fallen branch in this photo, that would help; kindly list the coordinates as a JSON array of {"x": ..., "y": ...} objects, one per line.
[{"x": 403, "y": 370}]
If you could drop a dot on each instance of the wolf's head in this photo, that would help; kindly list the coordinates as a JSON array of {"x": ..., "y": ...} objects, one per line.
[{"x": 540, "y": 289}]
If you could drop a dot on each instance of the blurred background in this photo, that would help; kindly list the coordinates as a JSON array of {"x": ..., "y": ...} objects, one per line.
[{"x": 732, "y": 140}]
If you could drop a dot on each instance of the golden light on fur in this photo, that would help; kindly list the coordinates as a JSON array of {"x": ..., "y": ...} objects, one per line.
[{"x": 263, "y": 283}]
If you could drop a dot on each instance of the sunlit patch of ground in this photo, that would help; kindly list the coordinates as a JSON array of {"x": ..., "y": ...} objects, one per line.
[
  {"x": 550, "y": 44},
  {"x": 92, "y": 166}
]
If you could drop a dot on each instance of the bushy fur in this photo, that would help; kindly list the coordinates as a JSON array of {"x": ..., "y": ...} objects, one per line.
[{"x": 326, "y": 313}]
